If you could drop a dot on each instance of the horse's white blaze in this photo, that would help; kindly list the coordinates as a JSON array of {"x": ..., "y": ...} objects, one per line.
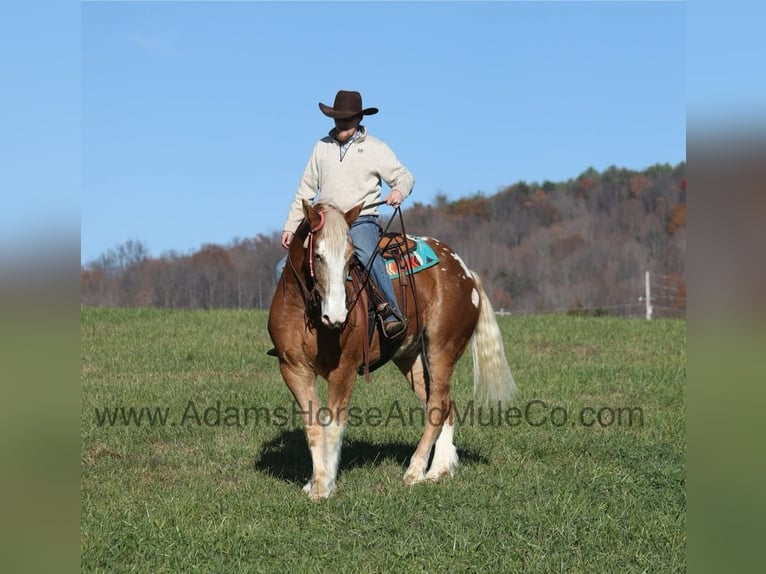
[{"x": 334, "y": 309}]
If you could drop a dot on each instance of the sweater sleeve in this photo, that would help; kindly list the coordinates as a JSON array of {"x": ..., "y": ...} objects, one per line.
[
  {"x": 394, "y": 173},
  {"x": 307, "y": 189}
]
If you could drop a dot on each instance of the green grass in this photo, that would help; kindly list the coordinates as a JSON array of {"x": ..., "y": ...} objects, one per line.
[{"x": 225, "y": 498}]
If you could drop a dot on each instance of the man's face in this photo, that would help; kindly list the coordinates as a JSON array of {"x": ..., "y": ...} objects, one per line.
[{"x": 345, "y": 128}]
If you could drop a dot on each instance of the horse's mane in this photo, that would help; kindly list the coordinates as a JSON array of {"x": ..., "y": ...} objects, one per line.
[{"x": 335, "y": 228}]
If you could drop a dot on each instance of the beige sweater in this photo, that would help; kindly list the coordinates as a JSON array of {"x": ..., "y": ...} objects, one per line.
[{"x": 353, "y": 180}]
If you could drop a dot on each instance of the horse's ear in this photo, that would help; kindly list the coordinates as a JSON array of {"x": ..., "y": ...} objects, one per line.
[
  {"x": 352, "y": 214},
  {"x": 311, "y": 214}
]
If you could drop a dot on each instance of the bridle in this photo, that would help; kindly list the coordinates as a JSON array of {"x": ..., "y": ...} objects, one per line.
[
  {"x": 311, "y": 295},
  {"x": 312, "y": 232}
]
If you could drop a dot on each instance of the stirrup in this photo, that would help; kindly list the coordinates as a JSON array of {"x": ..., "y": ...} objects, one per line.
[
  {"x": 392, "y": 323},
  {"x": 394, "y": 329},
  {"x": 384, "y": 310}
]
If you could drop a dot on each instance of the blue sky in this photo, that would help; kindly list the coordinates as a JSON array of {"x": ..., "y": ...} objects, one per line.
[
  {"x": 198, "y": 118},
  {"x": 185, "y": 123}
]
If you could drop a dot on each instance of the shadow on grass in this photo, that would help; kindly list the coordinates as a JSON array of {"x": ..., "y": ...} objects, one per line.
[{"x": 286, "y": 456}]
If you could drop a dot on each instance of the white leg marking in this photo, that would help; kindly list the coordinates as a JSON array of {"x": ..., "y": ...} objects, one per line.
[
  {"x": 416, "y": 471},
  {"x": 333, "y": 441},
  {"x": 445, "y": 456}
]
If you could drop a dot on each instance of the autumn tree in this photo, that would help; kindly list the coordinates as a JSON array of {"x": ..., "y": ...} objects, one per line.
[{"x": 579, "y": 244}]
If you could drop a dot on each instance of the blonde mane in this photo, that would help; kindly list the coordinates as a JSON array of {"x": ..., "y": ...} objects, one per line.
[{"x": 335, "y": 229}]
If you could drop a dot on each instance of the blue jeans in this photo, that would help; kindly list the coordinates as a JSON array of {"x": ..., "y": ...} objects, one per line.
[{"x": 365, "y": 234}]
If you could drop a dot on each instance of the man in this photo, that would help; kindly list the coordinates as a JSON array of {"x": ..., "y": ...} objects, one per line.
[{"x": 346, "y": 168}]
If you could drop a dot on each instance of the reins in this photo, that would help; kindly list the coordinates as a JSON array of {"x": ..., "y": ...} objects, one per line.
[
  {"x": 309, "y": 295},
  {"x": 405, "y": 274},
  {"x": 413, "y": 288},
  {"x": 377, "y": 252}
]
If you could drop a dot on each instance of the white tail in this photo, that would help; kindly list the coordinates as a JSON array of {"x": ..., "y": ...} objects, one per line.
[{"x": 492, "y": 378}]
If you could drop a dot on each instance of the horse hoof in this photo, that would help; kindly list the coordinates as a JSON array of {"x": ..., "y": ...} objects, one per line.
[
  {"x": 317, "y": 492},
  {"x": 411, "y": 479},
  {"x": 438, "y": 475}
]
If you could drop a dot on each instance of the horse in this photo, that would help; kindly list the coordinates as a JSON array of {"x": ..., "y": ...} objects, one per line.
[{"x": 319, "y": 325}]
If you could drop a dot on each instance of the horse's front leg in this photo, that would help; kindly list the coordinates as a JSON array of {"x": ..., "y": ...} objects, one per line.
[
  {"x": 340, "y": 385},
  {"x": 302, "y": 383}
]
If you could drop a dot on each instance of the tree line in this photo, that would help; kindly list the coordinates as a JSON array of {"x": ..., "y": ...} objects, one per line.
[{"x": 579, "y": 246}]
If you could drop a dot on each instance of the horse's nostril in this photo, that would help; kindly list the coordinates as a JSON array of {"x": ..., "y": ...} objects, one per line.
[{"x": 333, "y": 324}]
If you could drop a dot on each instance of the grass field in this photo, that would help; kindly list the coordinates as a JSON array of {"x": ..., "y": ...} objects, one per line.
[{"x": 588, "y": 475}]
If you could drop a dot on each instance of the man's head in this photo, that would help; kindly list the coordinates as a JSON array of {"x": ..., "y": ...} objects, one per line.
[{"x": 347, "y": 111}]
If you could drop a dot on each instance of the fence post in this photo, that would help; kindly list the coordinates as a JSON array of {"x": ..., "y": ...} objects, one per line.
[{"x": 648, "y": 298}]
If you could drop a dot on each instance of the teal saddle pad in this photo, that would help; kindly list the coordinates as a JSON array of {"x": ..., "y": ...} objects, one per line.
[{"x": 421, "y": 258}]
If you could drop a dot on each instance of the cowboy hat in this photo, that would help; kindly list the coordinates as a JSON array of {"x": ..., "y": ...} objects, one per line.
[{"x": 347, "y": 105}]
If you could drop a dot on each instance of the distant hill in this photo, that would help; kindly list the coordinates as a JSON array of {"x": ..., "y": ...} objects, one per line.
[{"x": 580, "y": 246}]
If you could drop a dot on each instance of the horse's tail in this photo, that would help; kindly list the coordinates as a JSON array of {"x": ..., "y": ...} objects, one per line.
[{"x": 492, "y": 378}]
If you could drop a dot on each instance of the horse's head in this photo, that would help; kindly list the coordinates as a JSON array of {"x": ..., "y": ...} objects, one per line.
[{"x": 329, "y": 254}]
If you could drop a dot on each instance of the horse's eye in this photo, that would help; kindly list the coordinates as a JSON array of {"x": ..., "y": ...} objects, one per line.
[{"x": 317, "y": 257}]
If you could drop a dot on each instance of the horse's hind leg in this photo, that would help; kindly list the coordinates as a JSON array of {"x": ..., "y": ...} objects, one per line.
[
  {"x": 445, "y": 459},
  {"x": 439, "y": 419}
]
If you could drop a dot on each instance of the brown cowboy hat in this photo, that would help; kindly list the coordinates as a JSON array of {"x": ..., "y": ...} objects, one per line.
[{"x": 347, "y": 105}]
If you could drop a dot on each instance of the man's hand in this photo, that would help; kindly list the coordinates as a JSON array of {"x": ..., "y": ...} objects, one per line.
[
  {"x": 287, "y": 237},
  {"x": 395, "y": 198}
]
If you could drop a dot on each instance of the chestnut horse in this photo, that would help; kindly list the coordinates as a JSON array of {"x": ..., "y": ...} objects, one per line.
[{"x": 319, "y": 326}]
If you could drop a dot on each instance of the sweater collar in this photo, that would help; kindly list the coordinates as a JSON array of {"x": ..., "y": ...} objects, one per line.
[
  {"x": 361, "y": 133},
  {"x": 346, "y": 145}
]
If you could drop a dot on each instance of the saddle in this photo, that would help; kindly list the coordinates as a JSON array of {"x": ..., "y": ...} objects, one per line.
[{"x": 393, "y": 245}]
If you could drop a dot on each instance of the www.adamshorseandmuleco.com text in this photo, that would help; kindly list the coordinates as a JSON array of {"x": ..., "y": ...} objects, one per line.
[{"x": 534, "y": 413}]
